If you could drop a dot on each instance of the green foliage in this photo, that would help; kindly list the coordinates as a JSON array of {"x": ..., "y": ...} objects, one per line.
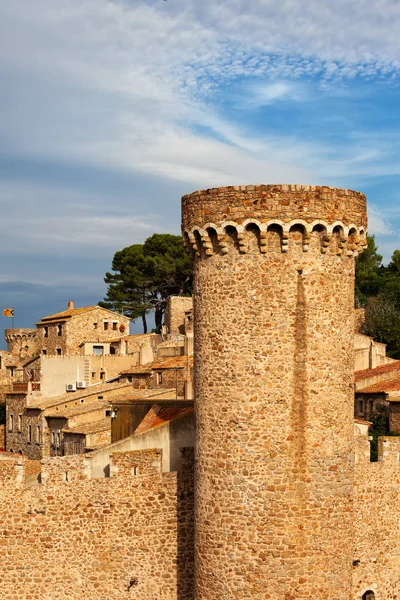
[
  {"x": 380, "y": 426},
  {"x": 368, "y": 272},
  {"x": 378, "y": 290},
  {"x": 144, "y": 275}
]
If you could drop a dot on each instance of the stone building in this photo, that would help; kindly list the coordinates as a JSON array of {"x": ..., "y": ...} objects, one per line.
[
  {"x": 35, "y": 425},
  {"x": 174, "y": 373},
  {"x": 174, "y": 317},
  {"x": 62, "y": 333}
]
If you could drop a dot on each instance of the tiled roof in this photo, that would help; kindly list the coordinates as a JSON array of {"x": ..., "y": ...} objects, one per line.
[
  {"x": 74, "y": 410},
  {"x": 367, "y": 373},
  {"x": 88, "y": 428},
  {"x": 160, "y": 415},
  {"x": 391, "y": 385},
  {"x": 175, "y": 362},
  {"x": 133, "y": 395},
  {"x": 67, "y": 314},
  {"x": 93, "y": 390},
  {"x": 362, "y": 422}
]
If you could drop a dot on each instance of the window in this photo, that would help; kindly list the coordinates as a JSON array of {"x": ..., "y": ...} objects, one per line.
[
  {"x": 59, "y": 330},
  {"x": 11, "y": 422},
  {"x": 19, "y": 422},
  {"x": 105, "y": 325},
  {"x": 58, "y": 350},
  {"x": 371, "y": 406},
  {"x": 10, "y": 371},
  {"x": 55, "y": 438},
  {"x": 361, "y": 407},
  {"x": 98, "y": 350},
  {"x": 93, "y": 374},
  {"x": 102, "y": 375},
  {"x": 30, "y": 433},
  {"x": 159, "y": 378},
  {"x": 115, "y": 325},
  {"x": 94, "y": 325},
  {"x": 108, "y": 413},
  {"x": 44, "y": 352},
  {"x": 46, "y": 332}
]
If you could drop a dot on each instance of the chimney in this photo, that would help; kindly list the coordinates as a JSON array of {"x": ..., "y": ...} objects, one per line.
[{"x": 71, "y": 305}]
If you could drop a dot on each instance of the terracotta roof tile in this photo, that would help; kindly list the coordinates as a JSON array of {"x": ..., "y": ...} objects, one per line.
[
  {"x": 391, "y": 385},
  {"x": 175, "y": 362},
  {"x": 67, "y": 314},
  {"x": 92, "y": 390},
  {"x": 88, "y": 428},
  {"x": 160, "y": 415},
  {"x": 366, "y": 373}
]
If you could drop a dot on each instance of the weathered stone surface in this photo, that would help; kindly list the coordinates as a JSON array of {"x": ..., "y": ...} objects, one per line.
[{"x": 274, "y": 326}]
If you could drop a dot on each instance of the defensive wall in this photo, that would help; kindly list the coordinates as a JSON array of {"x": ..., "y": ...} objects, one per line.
[{"x": 71, "y": 536}]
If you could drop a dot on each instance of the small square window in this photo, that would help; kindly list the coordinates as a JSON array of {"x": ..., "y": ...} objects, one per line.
[
  {"x": 44, "y": 352},
  {"x": 115, "y": 326},
  {"x": 58, "y": 350},
  {"x": 94, "y": 325},
  {"x": 46, "y": 332},
  {"x": 105, "y": 325},
  {"x": 93, "y": 374},
  {"x": 59, "y": 330},
  {"x": 102, "y": 375}
]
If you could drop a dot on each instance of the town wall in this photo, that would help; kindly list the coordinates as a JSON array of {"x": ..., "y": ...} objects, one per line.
[
  {"x": 274, "y": 311},
  {"x": 174, "y": 317},
  {"x": 376, "y": 513},
  {"x": 72, "y": 536}
]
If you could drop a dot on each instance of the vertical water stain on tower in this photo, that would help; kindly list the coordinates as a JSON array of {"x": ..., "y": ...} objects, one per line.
[{"x": 274, "y": 293}]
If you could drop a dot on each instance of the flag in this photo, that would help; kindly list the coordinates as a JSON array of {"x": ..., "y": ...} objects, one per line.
[{"x": 8, "y": 312}]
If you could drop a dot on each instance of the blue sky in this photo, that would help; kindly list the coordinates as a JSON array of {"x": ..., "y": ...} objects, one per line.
[{"x": 111, "y": 110}]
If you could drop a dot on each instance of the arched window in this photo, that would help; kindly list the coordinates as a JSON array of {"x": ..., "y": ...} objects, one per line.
[{"x": 369, "y": 595}]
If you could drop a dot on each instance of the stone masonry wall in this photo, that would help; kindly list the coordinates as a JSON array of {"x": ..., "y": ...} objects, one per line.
[
  {"x": 274, "y": 325},
  {"x": 81, "y": 328},
  {"x": 174, "y": 318},
  {"x": 22, "y": 343},
  {"x": 376, "y": 518},
  {"x": 119, "y": 538}
]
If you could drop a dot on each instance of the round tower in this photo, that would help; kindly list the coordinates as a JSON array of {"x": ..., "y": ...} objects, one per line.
[
  {"x": 274, "y": 328},
  {"x": 22, "y": 342}
]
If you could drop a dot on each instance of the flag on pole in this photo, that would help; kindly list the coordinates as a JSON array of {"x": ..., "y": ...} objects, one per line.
[{"x": 8, "y": 312}]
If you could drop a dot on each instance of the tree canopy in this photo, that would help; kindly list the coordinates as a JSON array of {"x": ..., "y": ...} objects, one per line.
[
  {"x": 378, "y": 290},
  {"x": 144, "y": 275}
]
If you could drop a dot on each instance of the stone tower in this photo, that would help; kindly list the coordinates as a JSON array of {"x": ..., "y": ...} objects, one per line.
[{"x": 274, "y": 323}]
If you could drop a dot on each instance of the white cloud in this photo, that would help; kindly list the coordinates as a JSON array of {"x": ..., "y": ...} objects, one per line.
[{"x": 377, "y": 222}]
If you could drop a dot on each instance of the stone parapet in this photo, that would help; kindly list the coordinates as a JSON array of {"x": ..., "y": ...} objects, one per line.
[{"x": 220, "y": 219}]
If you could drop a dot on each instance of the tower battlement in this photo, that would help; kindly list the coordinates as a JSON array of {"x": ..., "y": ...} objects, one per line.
[{"x": 229, "y": 218}]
